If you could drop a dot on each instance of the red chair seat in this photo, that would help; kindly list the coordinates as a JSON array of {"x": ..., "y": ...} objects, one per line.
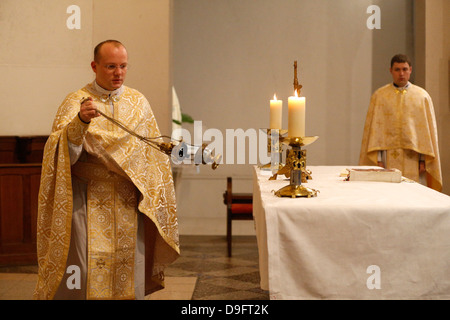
[
  {"x": 242, "y": 208},
  {"x": 239, "y": 207}
]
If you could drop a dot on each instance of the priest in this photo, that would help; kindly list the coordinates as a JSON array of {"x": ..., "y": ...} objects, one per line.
[
  {"x": 400, "y": 129},
  {"x": 107, "y": 224}
]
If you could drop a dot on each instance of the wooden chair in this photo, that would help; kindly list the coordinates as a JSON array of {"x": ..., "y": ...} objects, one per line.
[{"x": 239, "y": 207}]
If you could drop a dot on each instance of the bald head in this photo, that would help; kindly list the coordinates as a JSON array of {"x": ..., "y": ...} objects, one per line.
[{"x": 98, "y": 51}]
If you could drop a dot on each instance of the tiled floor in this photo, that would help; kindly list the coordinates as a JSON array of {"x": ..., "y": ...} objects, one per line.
[
  {"x": 177, "y": 288},
  {"x": 218, "y": 276},
  {"x": 203, "y": 272}
]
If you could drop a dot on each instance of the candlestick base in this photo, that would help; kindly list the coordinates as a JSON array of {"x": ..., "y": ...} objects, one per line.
[
  {"x": 296, "y": 191},
  {"x": 269, "y": 166},
  {"x": 296, "y": 168}
]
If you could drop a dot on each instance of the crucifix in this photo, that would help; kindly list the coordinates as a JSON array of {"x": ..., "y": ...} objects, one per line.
[{"x": 297, "y": 86}]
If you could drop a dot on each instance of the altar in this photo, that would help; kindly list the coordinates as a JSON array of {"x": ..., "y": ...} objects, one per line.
[{"x": 354, "y": 240}]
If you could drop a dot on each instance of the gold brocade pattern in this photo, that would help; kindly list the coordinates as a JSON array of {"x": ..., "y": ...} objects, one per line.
[
  {"x": 54, "y": 216},
  {"x": 112, "y": 227},
  {"x": 76, "y": 131},
  {"x": 403, "y": 123},
  {"x": 148, "y": 170}
]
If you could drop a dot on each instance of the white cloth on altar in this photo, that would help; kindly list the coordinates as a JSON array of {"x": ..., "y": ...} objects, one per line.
[{"x": 323, "y": 247}]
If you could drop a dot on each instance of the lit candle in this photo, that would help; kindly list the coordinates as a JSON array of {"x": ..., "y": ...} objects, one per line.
[
  {"x": 276, "y": 108},
  {"x": 296, "y": 120}
]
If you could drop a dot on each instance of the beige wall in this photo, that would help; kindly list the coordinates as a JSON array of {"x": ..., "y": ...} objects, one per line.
[
  {"x": 433, "y": 69},
  {"x": 437, "y": 74},
  {"x": 42, "y": 60}
]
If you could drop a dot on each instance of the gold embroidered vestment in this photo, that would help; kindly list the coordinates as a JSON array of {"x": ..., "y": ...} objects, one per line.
[
  {"x": 403, "y": 123},
  {"x": 125, "y": 177}
]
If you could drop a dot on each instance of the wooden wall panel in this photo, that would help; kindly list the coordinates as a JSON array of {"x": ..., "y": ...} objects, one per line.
[
  {"x": 19, "y": 188},
  {"x": 20, "y": 174},
  {"x": 8, "y": 149},
  {"x": 11, "y": 206}
]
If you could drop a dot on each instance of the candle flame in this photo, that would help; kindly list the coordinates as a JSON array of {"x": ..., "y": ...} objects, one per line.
[
  {"x": 296, "y": 94},
  {"x": 275, "y": 97}
]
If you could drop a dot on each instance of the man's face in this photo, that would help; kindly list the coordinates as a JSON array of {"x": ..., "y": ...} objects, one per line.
[
  {"x": 400, "y": 73},
  {"x": 111, "y": 67}
]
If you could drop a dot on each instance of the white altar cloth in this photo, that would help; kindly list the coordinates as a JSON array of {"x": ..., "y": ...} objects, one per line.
[{"x": 355, "y": 240}]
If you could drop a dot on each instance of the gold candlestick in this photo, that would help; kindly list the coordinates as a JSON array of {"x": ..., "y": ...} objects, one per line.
[{"x": 296, "y": 163}]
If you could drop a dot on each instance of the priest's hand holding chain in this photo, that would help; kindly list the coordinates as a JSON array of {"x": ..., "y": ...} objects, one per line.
[{"x": 88, "y": 110}]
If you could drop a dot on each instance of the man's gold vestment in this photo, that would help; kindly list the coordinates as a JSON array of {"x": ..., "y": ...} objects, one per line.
[
  {"x": 403, "y": 123},
  {"x": 125, "y": 177}
]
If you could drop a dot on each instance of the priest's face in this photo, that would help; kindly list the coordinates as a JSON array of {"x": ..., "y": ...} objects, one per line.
[
  {"x": 401, "y": 71},
  {"x": 111, "y": 66}
]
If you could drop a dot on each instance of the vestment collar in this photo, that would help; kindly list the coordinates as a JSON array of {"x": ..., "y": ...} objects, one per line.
[
  {"x": 107, "y": 94},
  {"x": 401, "y": 89}
]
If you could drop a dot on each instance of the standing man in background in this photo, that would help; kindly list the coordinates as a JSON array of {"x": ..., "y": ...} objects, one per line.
[
  {"x": 100, "y": 189},
  {"x": 400, "y": 130}
]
